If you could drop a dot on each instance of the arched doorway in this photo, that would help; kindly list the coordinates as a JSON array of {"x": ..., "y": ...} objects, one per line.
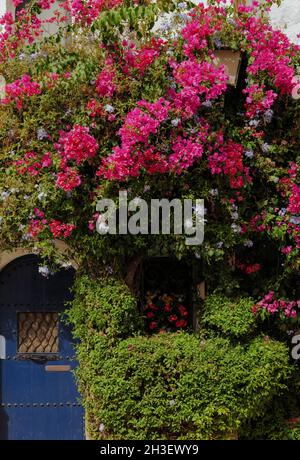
[{"x": 38, "y": 396}]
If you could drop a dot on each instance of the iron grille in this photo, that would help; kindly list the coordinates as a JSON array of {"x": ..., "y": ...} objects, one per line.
[{"x": 38, "y": 332}]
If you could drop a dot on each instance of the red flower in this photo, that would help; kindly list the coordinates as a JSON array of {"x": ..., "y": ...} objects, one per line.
[
  {"x": 35, "y": 227},
  {"x": 181, "y": 323},
  {"x": 167, "y": 307},
  {"x": 105, "y": 85},
  {"x": 77, "y": 145},
  {"x": 152, "y": 325},
  {"x": 183, "y": 310},
  {"x": 254, "y": 309},
  {"x": 150, "y": 314},
  {"x": 294, "y": 420},
  {"x": 59, "y": 229},
  {"x": 172, "y": 318}
]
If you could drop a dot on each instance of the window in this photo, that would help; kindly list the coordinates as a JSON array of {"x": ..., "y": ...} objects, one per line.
[{"x": 166, "y": 292}]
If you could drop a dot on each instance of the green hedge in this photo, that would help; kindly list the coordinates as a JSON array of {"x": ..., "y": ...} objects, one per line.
[
  {"x": 175, "y": 386},
  {"x": 230, "y": 317},
  {"x": 103, "y": 306},
  {"x": 171, "y": 385}
]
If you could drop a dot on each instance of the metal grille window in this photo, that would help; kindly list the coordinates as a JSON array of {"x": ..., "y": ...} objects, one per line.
[{"x": 38, "y": 332}]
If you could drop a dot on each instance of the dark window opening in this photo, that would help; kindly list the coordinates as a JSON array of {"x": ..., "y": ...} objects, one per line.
[{"x": 166, "y": 295}]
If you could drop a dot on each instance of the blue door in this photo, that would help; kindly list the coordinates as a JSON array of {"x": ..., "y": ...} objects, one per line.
[{"x": 38, "y": 396}]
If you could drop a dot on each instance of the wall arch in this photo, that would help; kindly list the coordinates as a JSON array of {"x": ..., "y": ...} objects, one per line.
[{"x": 8, "y": 256}]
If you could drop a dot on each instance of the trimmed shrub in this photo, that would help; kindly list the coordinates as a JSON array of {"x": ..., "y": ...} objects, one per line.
[
  {"x": 103, "y": 306},
  {"x": 229, "y": 316},
  {"x": 177, "y": 386}
]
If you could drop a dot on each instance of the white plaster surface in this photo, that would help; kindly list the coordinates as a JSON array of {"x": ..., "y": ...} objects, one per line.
[{"x": 286, "y": 17}]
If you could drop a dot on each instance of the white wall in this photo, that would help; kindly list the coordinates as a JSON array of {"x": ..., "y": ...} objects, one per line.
[
  {"x": 7, "y": 5},
  {"x": 2, "y": 7},
  {"x": 287, "y": 18}
]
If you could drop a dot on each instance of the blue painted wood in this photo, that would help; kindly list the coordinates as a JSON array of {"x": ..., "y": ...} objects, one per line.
[{"x": 36, "y": 404}]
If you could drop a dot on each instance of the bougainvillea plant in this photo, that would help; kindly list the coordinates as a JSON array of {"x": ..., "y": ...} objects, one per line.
[
  {"x": 129, "y": 96},
  {"x": 283, "y": 308}
]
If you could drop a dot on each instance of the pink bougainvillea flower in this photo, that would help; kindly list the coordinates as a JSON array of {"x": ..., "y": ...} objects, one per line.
[
  {"x": 20, "y": 90},
  {"x": 68, "y": 179},
  {"x": 289, "y": 308},
  {"x": 105, "y": 85},
  {"x": 77, "y": 144},
  {"x": 229, "y": 161},
  {"x": 59, "y": 229}
]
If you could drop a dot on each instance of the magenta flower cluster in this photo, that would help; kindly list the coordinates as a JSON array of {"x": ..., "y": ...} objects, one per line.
[{"x": 289, "y": 308}]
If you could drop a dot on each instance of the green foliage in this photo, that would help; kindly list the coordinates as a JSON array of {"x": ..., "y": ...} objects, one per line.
[
  {"x": 271, "y": 426},
  {"x": 281, "y": 418},
  {"x": 231, "y": 317},
  {"x": 295, "y": 433},
  {"x": 174, "y": 386},
  {"x": 140, "y": 18},
  {"x": 177, "y": 386},
  {"x": 103, "y": 307}
]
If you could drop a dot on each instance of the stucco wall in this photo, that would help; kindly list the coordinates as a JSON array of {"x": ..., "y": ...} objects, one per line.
[
  {"x": 287, "y": 18},
  {"x": 7, "y": 5}
]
